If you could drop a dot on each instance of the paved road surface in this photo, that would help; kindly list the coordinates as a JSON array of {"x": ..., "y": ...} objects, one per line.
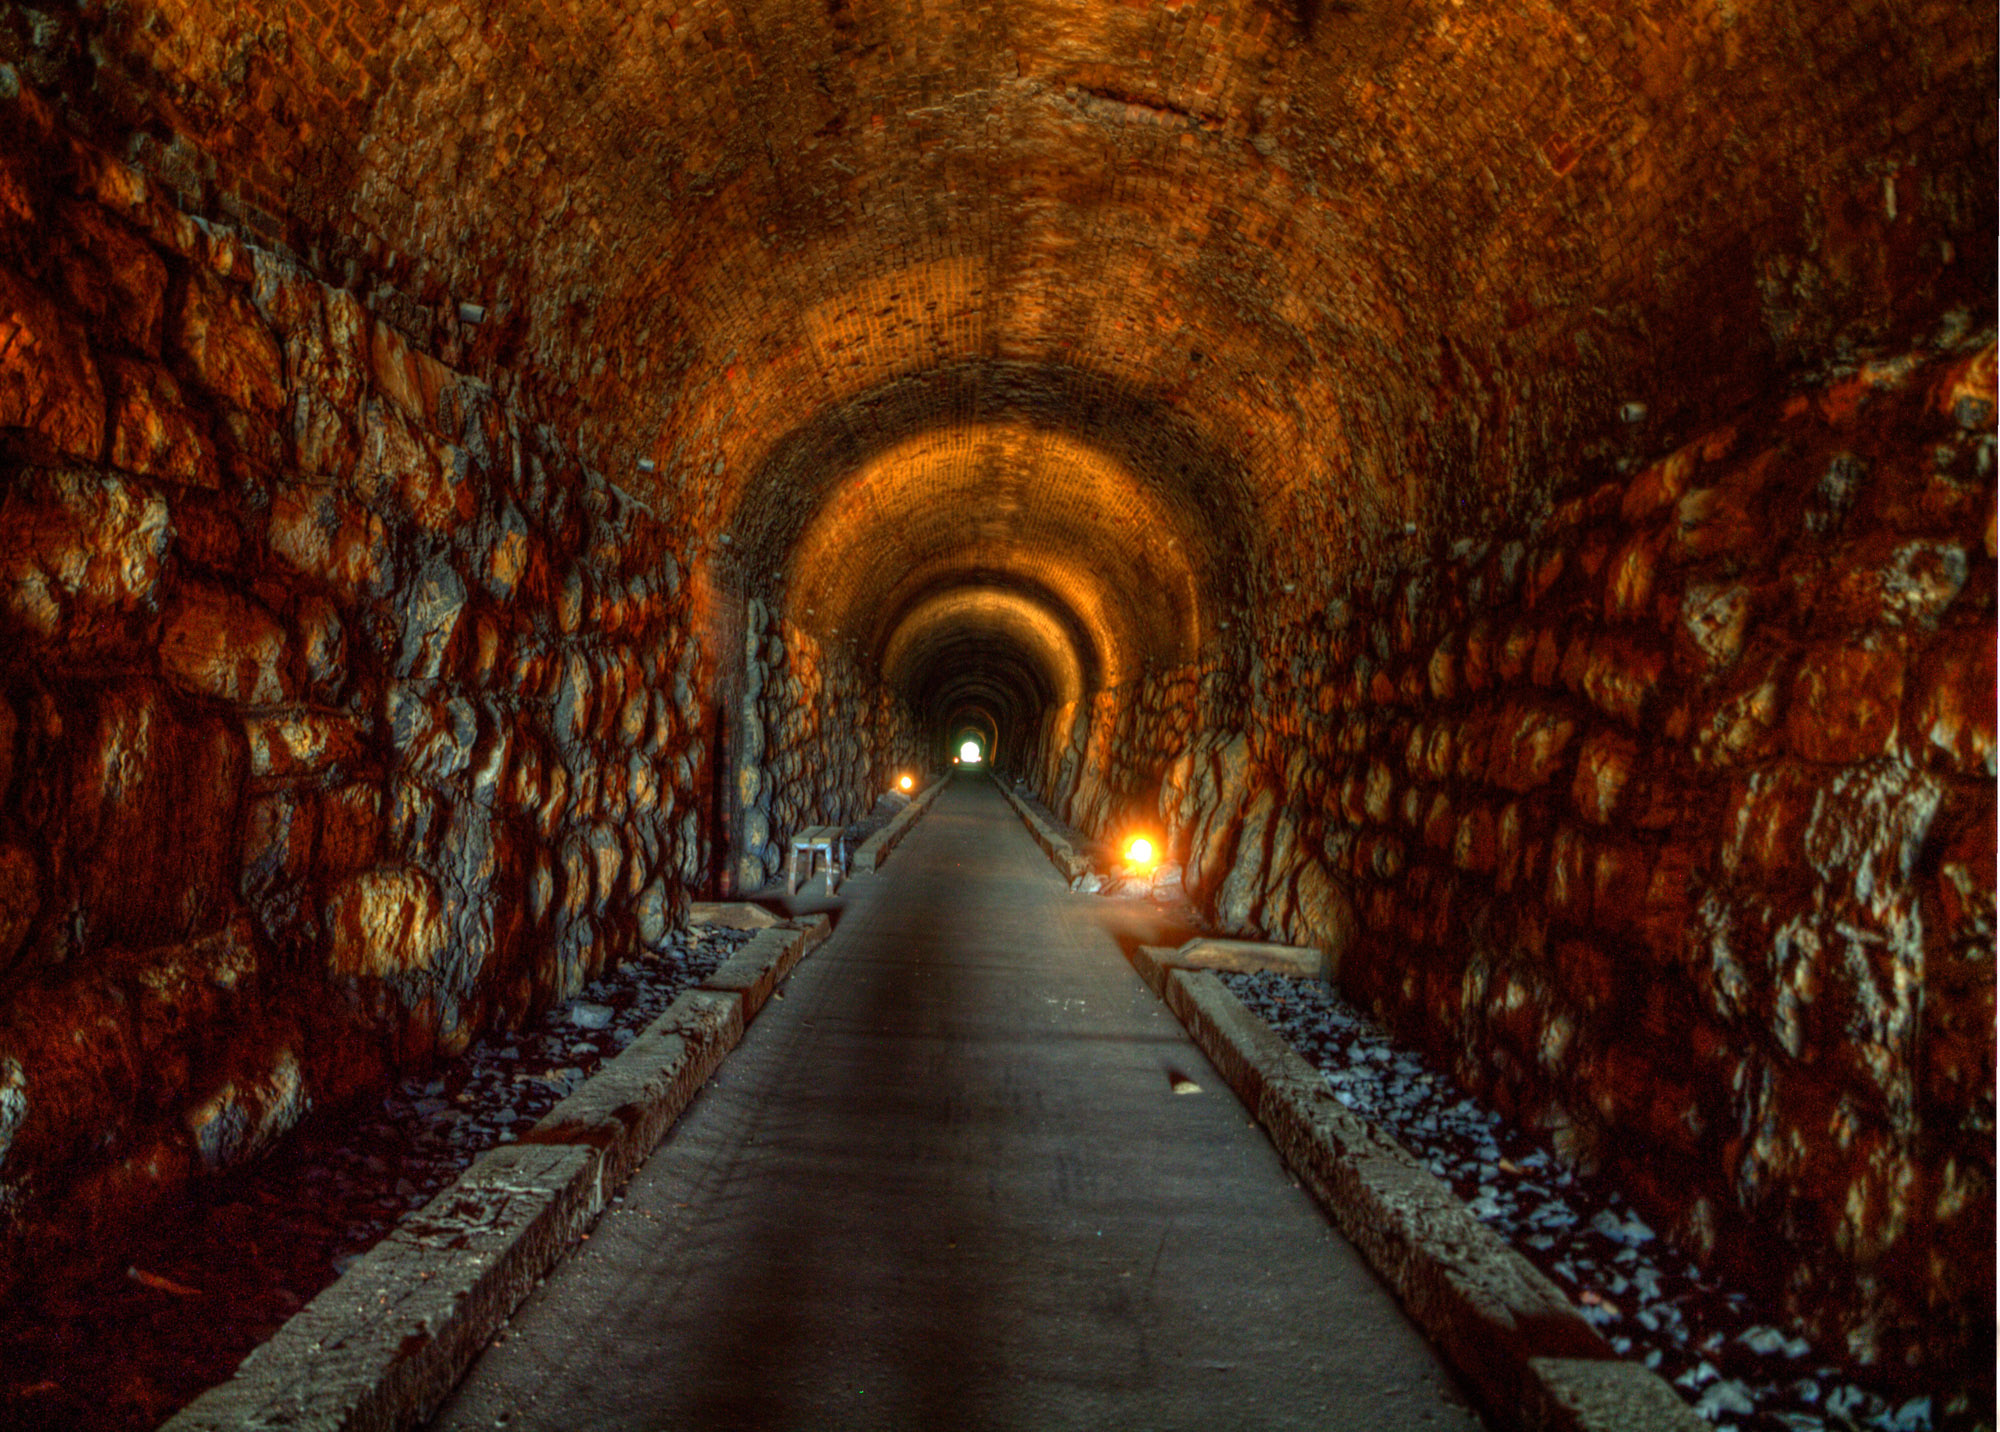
[{"x": 945, "y": 1183}]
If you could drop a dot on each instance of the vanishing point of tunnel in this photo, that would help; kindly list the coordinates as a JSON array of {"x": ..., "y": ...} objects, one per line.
[{"x": 1501, "y": 495}]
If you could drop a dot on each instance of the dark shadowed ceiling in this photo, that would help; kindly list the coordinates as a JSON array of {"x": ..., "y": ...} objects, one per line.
[{"x": 1024, "y": 344}]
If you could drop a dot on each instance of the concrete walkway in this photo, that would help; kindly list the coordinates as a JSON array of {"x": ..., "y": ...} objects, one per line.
[{"x": 945, "y": 1183}]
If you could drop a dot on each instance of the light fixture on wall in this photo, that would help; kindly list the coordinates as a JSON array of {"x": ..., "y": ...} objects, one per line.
[{"x": 906, "y": 784}]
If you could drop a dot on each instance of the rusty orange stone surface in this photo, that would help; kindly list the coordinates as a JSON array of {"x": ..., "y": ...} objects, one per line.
[{"x": 1509, "y": 493}]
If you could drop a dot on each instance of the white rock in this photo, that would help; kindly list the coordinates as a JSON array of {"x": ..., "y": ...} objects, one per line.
[
  {"x": 1630, "y": 1232},
  {"x": 1762, "y": 1340},
  {"x": 1912, "y": 1416},
  {"x": 1725, "y": 1396},
  {"x": 1699, "y": 1375}
]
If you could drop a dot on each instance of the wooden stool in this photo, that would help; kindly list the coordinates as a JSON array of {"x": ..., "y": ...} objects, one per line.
[{"x": 816, "y": 840}]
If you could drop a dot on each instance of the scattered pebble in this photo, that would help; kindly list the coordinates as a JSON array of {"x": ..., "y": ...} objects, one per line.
[{"x": 1737, "y": 1367}]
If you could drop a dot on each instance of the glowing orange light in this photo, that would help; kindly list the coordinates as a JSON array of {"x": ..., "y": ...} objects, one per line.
[
  {"x": 906, "y": 783},
  {"x": 1139, "y": 852}
]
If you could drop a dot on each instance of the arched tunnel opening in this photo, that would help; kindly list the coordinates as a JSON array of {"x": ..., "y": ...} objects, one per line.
[{"x": 1504, "y": 500}]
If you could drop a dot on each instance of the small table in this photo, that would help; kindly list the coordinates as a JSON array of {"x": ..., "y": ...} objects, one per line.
[{"x": 813, "y": 841}]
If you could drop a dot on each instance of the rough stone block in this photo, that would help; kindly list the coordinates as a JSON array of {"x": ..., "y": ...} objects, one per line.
[
  {"x": 1248, "y": 955},
  {"x": 151, "y": 814},
  {"x": 114, "y": 277},
  {"x": 47, "y": 380},
  {"x": 152, "y": 432},
  {"x": 325, "y": 533},
  {"x": 82, "y": 556},
  {"x": 757, "y": 969},
  {"x": 1845, "y": 702},
  {"x": 302, "y": 742},
  {"x": 731, "y": 915},
  {"x": 1619, "y": 675},
  {"x": 1595, "y": 1395},
  {"x": 1714, "y": 620},
  {"x": 1529, "y": 747},
  {"x": 222, "y": 343},
  {"x": 1952, "y": 707},
  {"x": 383, "y": 923},
  {"x": 625, "y": 1109},
  {"x": 1603, "y": 768},
  {"x": 218, "y": 644}
]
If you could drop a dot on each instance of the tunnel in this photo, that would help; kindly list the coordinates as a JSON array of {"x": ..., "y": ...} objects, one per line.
[{"x": 1502, "y": 496}]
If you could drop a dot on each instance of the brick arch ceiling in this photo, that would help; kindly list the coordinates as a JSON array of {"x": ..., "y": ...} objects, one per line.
[
  {"x": 1313, "y": 278},
  {"x": 994, "y": 526},
  {"x": 1011, "y": 654},
  {"x": 970, "y": 719}
]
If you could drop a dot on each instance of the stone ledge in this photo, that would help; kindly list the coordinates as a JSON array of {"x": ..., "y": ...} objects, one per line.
[
  {"x": 872, "y": 852},
  {"x": 626, "y": 1108},
  {"x": 384, "y": 1345},
  {"x": 731, "y": 915},
  {"x": 1531, "y": 1357},
  {"x": 1249, "y": 956},
  {"x": 754, "y": 971},
  {"x": 1053, "y": 842},
  {"x": 1595, "y": 1393}
]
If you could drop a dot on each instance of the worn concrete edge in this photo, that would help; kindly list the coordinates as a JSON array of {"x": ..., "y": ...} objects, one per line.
[
  {"x": 1053, "y": 842},
  {"x": 731, "y": 915},
  {"x": 1206, "y": 952},
  {"x": 1533, "y": 1360},
  {"x": 385, "y": 1343},
  {"x": 756, "y": 970},
  {"x": 874, "y": 851}
]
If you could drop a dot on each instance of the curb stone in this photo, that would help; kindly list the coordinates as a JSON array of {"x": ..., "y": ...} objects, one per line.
[
  {"x": 872, "y": 852},
  {"x": 754, "y": 971},
  {"x": 626, "y": 1108},
  {"x": 1205, "y": 952},
  {"x": 731, "y": 915},
  {"x": 1533, "y": 1360},
  {"x": 382, "y": 1346},
  {"x": 1053, "y": 842}
]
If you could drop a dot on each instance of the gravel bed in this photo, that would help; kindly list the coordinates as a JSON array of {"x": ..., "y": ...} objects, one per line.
[
  {"x": 885, "y": 809},
  {"x": 1730, "y": 1358},
  {"x": 121, "y": 1345}
]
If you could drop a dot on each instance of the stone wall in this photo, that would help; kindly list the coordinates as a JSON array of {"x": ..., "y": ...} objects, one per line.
[
  {"x": 343, "y": 711},
  {"x": 818, "y": 742},
  {"x": 1668, "y": 822},
  {"x": 1098, "y": 762}
]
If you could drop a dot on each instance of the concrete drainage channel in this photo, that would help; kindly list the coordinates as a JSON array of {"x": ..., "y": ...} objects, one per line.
[
  {"x": 385, "y": 1343},
  {"x": 1531, "y": 1357}
]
